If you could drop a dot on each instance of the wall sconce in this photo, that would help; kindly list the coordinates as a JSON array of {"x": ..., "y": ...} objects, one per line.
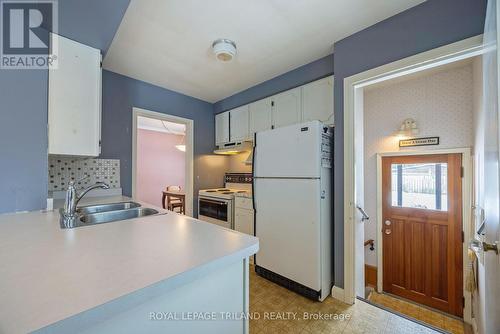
[{"x": 407, "y": 129}]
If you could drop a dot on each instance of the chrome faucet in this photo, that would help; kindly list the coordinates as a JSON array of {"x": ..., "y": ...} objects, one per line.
[{"x": 72, "y": 198}]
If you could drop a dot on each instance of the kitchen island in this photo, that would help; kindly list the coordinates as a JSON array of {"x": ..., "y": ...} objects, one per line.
[{"x": 165, "y": 273}]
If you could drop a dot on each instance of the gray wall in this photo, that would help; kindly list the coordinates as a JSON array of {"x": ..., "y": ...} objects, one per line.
[
  {"x": 121, "y": 94},
  {"x": 23, "y": 140},
  {"x": 427, "y": 26},
  {"x": 91, "y": 22},
  {"x": 23, "y": 107},
  {"x": 297, "y": 77}
]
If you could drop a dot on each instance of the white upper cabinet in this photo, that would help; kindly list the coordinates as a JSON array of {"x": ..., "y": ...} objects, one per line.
[
  {"x": 260, "y": 116},
  {"x": 313, "y": 101},
  {"x": 222, "y": 128},
  {"x": 239, "y": 124},
  {"x": 74, "y": 99},
  {"x": 317, "y": 101},
  {"x": 287, "y": 108}
]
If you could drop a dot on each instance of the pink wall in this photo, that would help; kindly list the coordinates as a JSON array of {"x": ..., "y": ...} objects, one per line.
[{"x": 159, "y": 164}]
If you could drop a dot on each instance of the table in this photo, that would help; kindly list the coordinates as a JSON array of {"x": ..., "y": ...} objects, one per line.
[{"x": 172, "y": 194}]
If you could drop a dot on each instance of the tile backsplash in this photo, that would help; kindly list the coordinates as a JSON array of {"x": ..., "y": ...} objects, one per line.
[{"x": 62, "y": 170}]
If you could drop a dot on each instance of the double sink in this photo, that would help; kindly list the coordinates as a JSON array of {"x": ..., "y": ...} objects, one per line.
[{"x": 105, "y": 213}]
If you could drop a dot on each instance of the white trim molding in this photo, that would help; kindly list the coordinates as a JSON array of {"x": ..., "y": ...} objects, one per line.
[
  {"x": 338, "y": 293},
  {"x": 353, "y": 87},
  {"x": 189, "y": 171}
]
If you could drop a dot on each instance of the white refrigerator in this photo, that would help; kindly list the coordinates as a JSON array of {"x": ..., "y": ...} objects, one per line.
[{"x": 292, "y": 168}]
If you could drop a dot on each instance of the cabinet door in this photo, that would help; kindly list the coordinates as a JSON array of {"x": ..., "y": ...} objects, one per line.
[
  {"x": 260, "y": 116},
  {"x": 222, "y": 128},
  {"x": 243, "y": 221},
  {"x": 317, "y": 101},
  {"x": 74, "y": 99},
  {"x": 287, "y": 108},
  {"x": 238, "y": 120}
]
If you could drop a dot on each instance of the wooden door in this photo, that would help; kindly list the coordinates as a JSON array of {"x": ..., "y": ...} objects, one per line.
[{"x": 422, "y": 229}]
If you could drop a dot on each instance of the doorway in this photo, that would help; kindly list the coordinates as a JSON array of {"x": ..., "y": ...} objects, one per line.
[
  {"x": 162, "y": 159},
  {"x": 354, "y": 88},
  {"x": 422, "y": 229},
  {"x": 413, "y": 78}
]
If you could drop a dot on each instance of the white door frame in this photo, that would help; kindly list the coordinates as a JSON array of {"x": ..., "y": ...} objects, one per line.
[
  {"x": 466, "y": 212},
  {"x": 189, "y": 123},
  {"x": 353, "y": 87}
]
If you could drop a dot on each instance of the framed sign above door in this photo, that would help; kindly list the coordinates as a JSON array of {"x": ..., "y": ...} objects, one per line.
[{"x": 427, "y": 141}]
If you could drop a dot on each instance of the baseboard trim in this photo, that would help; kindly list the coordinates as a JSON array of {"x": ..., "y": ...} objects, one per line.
[
  {"x": 475, "y": 330},
  {"x": 370, "y": 276},
  {"x": 338, "y": 293}
]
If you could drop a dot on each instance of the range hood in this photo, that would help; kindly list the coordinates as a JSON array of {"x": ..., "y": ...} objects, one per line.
[
  {"x": 234, "y": 148},
  {"x": 248, "y": 161}
]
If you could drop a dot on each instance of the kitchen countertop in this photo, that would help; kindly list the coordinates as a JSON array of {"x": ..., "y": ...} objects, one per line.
[{"x": 48, "y": 274}]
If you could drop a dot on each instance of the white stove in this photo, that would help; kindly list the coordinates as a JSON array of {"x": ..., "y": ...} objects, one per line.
[
  {"x": 217, "y": 205},
  {"x": 226, "y": 193}
]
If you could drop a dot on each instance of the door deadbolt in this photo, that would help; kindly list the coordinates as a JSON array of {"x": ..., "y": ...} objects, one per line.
[{"x": 387, "y": 222}]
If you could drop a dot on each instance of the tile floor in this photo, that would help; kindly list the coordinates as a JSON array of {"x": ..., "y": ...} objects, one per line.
[
  {"x": 278, "y": 310},
  {"x": 415, "y": 311}
]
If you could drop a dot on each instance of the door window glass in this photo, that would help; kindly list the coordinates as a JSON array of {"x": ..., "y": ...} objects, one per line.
[{"x": 422, "y": 186}]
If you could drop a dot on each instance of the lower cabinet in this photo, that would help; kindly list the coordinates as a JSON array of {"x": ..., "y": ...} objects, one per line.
[
  {"x": 243, "y": 221},
  {"x": 244, "y": 217}
]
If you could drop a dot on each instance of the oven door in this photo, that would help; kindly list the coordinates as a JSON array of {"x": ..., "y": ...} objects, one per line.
[{"x": 216, "y": 211}]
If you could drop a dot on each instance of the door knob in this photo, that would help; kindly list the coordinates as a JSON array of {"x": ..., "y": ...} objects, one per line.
[
  {"x": 387, "y": 231},
  {"x": 490, "y": 247}
]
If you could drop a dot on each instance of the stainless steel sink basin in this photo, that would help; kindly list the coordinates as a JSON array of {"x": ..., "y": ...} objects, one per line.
[
  {"x": 111, "y": 216},
  {"x": 105, "y": 213},
  {"x": 85, "y": 210}
]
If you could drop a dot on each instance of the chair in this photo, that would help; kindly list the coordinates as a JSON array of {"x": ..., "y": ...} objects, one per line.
[{"x": 175, "y": 203}]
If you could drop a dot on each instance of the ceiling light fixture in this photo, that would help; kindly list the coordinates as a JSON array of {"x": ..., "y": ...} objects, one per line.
[
  {"x": 224, "y": 49},
  {"x": 182, "y": 146}
]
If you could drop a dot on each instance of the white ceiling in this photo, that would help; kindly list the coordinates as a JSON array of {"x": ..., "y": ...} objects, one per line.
[
  {"x": 152, "y": 124},
  {"x": 168, "y": 42}
]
